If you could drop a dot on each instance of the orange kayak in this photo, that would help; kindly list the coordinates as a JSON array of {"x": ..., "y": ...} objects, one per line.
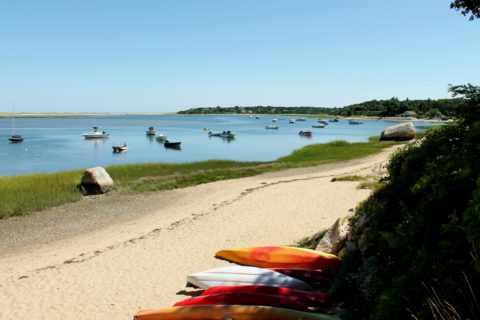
[
  {"x": 230, "y": 312},
  {"x": 281, "y": 257}
]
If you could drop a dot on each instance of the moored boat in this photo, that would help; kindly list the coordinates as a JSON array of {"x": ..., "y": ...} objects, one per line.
[
  {"x": 320, "y": 125},
  {"x": 171, "y": 144},
  {"x": 151, "y": 131},
  {"x": 271, "y": 126},
  {"x": 354, "y": 122},
  {"x": 306, "y": 133},
  {"x": 161, "y": 137},
  {"x": 224, "y": 134},
  {"x": 120, "y": 148},
  {"x": 16, "y": 138},
  {"x": 95, "y": 134}
]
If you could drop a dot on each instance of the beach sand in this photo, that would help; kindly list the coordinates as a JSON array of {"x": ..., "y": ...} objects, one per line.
[{"x": 106, "y": 257}]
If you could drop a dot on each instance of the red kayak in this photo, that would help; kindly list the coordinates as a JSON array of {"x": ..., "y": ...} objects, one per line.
[
  {"x": 313, "y": 299},
  {"x": 246, "y": 298},
  {"x": 307, "y": 275}
]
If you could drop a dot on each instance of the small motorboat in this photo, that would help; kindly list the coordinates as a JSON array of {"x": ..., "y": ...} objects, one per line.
[
  {"x": 291, "y": 120},
  {"x": 354, "y": 122},
  {"x": 274, "y": 120},
  {"x": 334, "y": 120},
  {"x": 161, "y": 137},
  {"x": 16, "y": 138},
  {"x": 95, "y": 134},
  {"x": 320, "y": 125},
  {"x": 306, "y": 133},
  {"x": 224, "y": 134},
  {"x": 122, "y": 148},
  {"x": 301, "y": 119},
  {"x": 172, "y": 145},
  {"x": 151, "y": 131},
  {"x": 325, "y": 123},
  {"x": 271, "y": 126}
]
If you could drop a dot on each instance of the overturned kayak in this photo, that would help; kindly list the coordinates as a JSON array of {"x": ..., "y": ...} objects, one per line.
[
  {"x": 310, "y": 276},
  {"x": 311, "y": 298},
  {"x": 229, "y": 312},
  {"x": 246, "y": 298},
  {"x": 281, "y": 257},
  {"x": 241, "y": 275}
]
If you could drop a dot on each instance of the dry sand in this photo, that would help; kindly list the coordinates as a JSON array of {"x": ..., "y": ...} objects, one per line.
[{"x": 107, "y": 257}]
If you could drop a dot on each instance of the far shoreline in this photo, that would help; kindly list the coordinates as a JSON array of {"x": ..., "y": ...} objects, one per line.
[{"x": 101, "y": 114}]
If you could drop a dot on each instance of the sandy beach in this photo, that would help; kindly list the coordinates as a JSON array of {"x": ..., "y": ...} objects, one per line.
[{"x": 106, "y": 257}]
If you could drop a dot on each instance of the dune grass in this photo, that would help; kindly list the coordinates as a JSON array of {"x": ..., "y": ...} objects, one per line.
[{"x": 22, "y": 195}]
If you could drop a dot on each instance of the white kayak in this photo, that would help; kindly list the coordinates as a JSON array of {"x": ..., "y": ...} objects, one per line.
[{"x": 242, "y": 275}]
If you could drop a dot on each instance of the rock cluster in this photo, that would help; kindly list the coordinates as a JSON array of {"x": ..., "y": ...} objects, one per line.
[{"x": 344, "y": 238}]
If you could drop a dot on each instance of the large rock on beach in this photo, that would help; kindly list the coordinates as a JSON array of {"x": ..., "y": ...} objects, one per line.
[
  {"x": 403, "y": 131},
  {"x": 96, "y": 181},
  {"x": 335, "y": 237}
]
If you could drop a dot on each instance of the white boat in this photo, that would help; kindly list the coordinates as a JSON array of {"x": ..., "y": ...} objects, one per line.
[
  {"x": 161, "y": 137},
  {"x": 151, "y": 131},
  {"x": 95, "y": 134},
  {"x": 271, "y": 126},
  {"x": 320, "y": 125},
  {"x": 291, "y": 120},
  {"x": 242, "y": 275}
]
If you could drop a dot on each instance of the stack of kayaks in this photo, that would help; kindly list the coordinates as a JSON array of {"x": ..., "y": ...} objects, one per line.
[{"x": 273, "y": 282}]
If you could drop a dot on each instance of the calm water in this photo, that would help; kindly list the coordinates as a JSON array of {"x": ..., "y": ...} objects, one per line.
[{"x": 57, "y": 144}]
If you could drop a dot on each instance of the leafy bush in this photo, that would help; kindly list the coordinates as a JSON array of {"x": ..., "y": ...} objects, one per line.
[{"x": 423, "y": 244}]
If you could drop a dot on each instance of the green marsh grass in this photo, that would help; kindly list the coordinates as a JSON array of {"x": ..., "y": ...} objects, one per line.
[{"x": 21, "y": 195}]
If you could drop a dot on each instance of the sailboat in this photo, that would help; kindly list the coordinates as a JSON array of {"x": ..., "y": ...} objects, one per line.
[{"x": 14, "y": 137}]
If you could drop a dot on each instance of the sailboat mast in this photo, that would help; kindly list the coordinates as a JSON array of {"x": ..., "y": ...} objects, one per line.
[{"x": 13, "y": 119}]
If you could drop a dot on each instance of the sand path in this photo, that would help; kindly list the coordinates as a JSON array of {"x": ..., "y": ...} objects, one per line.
[{"x": 107, "y": 257}]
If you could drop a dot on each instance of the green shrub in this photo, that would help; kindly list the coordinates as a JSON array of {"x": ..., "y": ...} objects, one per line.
[{"x": 424, "y": 241}]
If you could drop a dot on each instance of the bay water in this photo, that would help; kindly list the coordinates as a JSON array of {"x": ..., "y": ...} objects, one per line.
[{"x": 57, "y": 144}]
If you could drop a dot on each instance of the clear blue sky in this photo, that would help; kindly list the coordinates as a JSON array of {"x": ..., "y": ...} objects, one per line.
[{"x": 169, "y": 55}]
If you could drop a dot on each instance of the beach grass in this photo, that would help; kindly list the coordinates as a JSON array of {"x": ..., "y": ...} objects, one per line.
[{"x": 22, "y": 195}]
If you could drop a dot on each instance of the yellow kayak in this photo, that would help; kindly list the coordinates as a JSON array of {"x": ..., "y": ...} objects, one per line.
[
  {"x": 228, "y": 312},
  {"x": 281, "y": 257}
]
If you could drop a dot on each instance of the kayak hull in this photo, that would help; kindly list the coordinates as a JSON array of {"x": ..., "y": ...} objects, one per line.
[
  {"x": 228, "y": 312},
  {"x": 246, "y": 298},
  {"x": 312, "y": 298},
  {"x": 281, "y": 257},
  {"x": 244, "y": 275}
]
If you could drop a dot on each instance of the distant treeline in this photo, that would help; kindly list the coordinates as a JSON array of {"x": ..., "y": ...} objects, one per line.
[{"x": 376, "y": 108}]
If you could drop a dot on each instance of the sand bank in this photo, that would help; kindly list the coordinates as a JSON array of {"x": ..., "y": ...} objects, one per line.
[{"x": 106, "y": 257}]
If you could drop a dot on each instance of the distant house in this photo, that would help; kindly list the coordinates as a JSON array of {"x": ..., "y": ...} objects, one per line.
[{"x": 409, "y": 114}]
